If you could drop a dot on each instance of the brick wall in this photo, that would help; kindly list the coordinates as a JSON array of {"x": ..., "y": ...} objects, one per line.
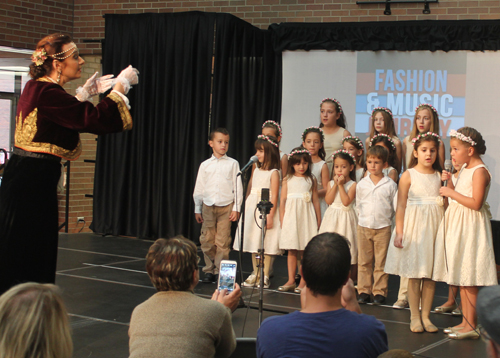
[
  {"x": 24, "y": 22},
  {"x": 89, "y": 23}
]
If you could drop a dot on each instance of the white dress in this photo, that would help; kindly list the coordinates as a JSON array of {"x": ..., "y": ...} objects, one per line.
[
  {"x": 316, "y": 171},
  {"x": 387, "y": 170},
  {"x": 343, "y": 220},
  {"x": 423, "y": 214},
  {"x": 299, "y": 222},
  {"x": 252, "y": 237},
  {"x": 332, "y": 143},
  {"x": 467, "y": 240},
  {"x": 359, "y": 174}
]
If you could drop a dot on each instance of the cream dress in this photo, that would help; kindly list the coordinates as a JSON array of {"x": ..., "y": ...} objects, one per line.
[
  {"x": 332, "y": 143},
  {"x": 343, "y": 220},
  {"x": 299, "y": 222},
  {"x": 464, "y": 240},
  {"x": 424, "y": 212},
  {"x": 316, "y": 171},
  {"x": 252, "y": 237}
]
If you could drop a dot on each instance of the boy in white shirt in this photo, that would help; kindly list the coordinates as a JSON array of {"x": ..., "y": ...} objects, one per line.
[
  {"x": 374, "y": 199},
  {"x": 217, "y": 198}
]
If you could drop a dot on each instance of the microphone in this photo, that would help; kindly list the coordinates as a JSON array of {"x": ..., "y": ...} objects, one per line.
[
  {"x": 447, "y": 166},
  {"x": 252, "y": 160}
]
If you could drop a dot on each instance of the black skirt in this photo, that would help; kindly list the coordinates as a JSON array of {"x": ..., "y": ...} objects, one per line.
[{"x": 28, "y": 221}]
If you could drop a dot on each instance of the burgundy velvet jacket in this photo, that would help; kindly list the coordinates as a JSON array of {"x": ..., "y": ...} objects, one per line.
[{"x": 49, "y": 119}]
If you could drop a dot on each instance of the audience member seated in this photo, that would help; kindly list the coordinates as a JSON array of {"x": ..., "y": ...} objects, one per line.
[
  {"x": 34, "y": 323},
  {"x": 174, "y": 322},
  {"x": 488, "y": 314},
  {"x": 330, "y": 321}
]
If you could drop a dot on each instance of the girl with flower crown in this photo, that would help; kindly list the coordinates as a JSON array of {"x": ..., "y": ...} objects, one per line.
[
  {"x": 354, "y": 145},
  {"x": 418, "y": 215},
  {"x": 300, "y": 213},
  {"x": 426, "y": 119},
  {"x": 265, "y": 175},
  {"x": 464, "y": 246},
  {"x": 273, "y": 129},
  {"x": 387, "y": 142},
  {"x": 382, "y": 122},
  {"x": 333, "y": 123},
  {"x": 313, "y": 140},
  {"x": 341, "y": 216}
]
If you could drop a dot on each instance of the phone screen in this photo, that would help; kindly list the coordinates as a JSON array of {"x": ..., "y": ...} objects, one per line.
[{"x": 227, "y": 276}]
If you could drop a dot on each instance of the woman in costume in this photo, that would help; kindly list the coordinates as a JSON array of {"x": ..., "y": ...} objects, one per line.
[{"x": 48, "y": 122}]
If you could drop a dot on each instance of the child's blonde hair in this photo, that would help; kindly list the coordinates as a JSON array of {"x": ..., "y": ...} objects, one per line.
[{"x": 434, "y": 124}]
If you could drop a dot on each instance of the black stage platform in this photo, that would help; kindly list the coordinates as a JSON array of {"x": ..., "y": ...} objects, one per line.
[{"x": 103, "y": 279}]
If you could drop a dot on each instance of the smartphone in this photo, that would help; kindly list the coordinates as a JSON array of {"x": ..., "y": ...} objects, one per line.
[{"x": 227, "y": 275}]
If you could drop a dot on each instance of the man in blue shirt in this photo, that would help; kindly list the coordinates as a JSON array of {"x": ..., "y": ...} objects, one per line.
[{"x": 330, "y": 323}]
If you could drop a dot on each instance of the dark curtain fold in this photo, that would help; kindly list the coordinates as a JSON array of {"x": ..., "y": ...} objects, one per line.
[
  {"x": 428, "y": 35},
  {"x": 247, "y": 83},
  {"x": 144, "y": 178}
]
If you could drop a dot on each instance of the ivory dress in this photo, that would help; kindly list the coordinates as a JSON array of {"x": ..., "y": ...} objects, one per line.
[
  {"x": 424, "y": 212},
  {"x": 332, "y": 143},
  {"x": 343, "y": 220},
  {"x": 466, "y": 237},
  {"x": 316, "y": 171},
  {"x": 299, "y": 222},
  {"x": 252, "y": 238}
]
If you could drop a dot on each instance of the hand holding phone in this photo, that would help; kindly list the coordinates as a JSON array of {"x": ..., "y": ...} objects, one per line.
[{"x": 227, "y": 275}]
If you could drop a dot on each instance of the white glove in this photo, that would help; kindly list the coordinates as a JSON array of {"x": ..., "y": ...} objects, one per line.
[
  {"x": 94, "y": 86},
  {"x": 128, "y": 77}
]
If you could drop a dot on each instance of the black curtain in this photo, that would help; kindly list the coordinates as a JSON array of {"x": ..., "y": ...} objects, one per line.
[
  {"x": 429, "y": 35},
  {"x": 144, "y": 178},
  {"x": 247, "y": 83}
]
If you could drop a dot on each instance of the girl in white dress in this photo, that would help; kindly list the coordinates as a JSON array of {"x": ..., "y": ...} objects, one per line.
[
  {"x": 464, "y": 246},
  {"x": 341, "y": 217},
  {"x": 382, "y": 122},
  {"x": 418, "y": 215},
  {"x": 264, "y": 176},
  {"x": 388, "y": 143},
  {"x": 334, "y": 124},
  {"x": 273, "y": 129},
  {"x": 312, "y": 140},
  {"x": 300, "y": 213},
  {"x": 354, "y": 145},
  {"x": 426, "y": 119}
]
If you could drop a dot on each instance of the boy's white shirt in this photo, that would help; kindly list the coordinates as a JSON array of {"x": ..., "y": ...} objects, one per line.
[
  {"x": 375, "y": 203},
  {"x": 217, "y": 184}
]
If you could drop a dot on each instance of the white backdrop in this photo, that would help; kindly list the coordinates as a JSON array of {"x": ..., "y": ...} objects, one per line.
[{"x": 465, "y": 86}]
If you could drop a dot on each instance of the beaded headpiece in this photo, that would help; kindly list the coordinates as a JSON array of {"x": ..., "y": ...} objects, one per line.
[
  {"x": 462, "y": 137},
  {"x": 58, "y": 56},
  {"x": 275, "y": 124},
  {"x": 426, "y": 105},
  {"x": 337, "y": 152},
  {"x": 422, "y": 135},
  {"x": 40, "y": 55},
  {"x": 383, "y": 109},
  {"x": 313, "y": 129},
  {"x": 383, "y": 135},
  {"x": 298, "y": 151},
  {"x": 333, "y": 100},
  {"x": 354, "y": 138},
  {"x": 266, "y": 138}
]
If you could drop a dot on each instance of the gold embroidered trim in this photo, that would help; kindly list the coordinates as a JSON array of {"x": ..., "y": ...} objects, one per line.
[
  {"x": 26, "y": 131},
  {"x": 124, "y": 112}
]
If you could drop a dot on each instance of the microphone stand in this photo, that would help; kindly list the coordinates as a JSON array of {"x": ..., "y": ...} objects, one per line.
[{"x": 264, "y": 207}]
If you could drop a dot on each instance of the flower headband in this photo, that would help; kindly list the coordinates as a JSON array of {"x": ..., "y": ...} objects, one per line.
[
  {"x": 266, "y": 138},
  {"x": 313, "y": 129},
  {"x": 422, "y": 135},
  {"x": 345, "y": 152},
  {"x": 298, "y": 151},
  {"x": 383, "y": 109},
  {"x": 333, "y": 100},
  {"x": 354, "y": 138},
  {"x": 383, "y": 135},
  {"x": 39, "y": 56},
  {"x": 462, "y": 137},
  {"x": 274, "y": 124},
  {"x": 427, "y": 105}
]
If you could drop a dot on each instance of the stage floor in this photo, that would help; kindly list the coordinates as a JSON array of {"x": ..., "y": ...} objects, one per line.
[{"x": 103, "y": 279}]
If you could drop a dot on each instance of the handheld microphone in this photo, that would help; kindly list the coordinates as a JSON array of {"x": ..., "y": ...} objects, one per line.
[
  {"x": 252, "y": 160},
  {"x": 447, "y": 166}
]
